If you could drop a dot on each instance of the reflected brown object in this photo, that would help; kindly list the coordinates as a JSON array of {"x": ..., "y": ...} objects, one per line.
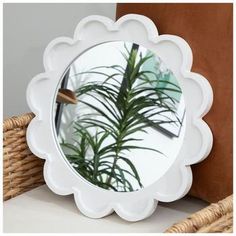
[
  {"x": 208, "y": 30},
  {"x": 216, "y": 218},
  {"x": 66, "y": 96}
]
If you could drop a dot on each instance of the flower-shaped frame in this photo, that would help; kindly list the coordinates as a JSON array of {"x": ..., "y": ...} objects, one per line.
[{"x": 91, "y": 200}]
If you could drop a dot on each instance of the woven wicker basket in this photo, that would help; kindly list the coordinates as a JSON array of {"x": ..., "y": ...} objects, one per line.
[
  {"x": 216, "y": 218},
  {"x": 23, "y": 171}
]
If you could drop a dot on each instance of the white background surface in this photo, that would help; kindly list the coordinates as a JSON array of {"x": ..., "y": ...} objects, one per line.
[
  {"x": 27, "y": 30},
  {"x": 41, "y": 211}
]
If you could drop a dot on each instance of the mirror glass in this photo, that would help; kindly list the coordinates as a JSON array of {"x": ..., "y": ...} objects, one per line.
[{"x": 119, "y": 116}]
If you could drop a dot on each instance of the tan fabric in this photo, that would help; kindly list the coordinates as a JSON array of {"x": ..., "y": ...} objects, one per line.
[{"x": 208, "y": 30}]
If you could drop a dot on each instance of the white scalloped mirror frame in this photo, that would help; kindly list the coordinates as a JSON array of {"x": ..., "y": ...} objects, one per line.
[{"x": 91, "y": 200}]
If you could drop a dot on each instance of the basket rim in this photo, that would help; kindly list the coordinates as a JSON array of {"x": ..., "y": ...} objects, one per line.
[{"x": 17, "y": 121}]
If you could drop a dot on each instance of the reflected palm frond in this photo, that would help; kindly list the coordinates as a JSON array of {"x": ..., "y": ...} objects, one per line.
[{"x": 128, "y": 102}]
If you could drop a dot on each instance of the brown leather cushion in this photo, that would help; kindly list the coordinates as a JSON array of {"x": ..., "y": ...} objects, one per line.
[{"x": 208, "y": 30}]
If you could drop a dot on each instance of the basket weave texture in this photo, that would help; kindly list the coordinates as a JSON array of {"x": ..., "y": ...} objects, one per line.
[
  {"x": 216, "y": 218},
  {"x": 23, "y": 171}
]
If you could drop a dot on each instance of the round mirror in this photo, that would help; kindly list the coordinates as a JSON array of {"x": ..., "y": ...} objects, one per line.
[{"x": 119, "y": 116}]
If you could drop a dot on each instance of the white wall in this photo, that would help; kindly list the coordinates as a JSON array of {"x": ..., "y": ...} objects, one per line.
[{"x": 27, "y": 29}]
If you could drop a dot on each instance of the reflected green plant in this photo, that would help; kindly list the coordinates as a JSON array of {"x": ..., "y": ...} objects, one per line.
[{"x": 128, "y": 98}]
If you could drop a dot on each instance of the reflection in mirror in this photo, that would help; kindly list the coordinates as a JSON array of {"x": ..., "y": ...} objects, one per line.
[{"x": 120, "y": 116}]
